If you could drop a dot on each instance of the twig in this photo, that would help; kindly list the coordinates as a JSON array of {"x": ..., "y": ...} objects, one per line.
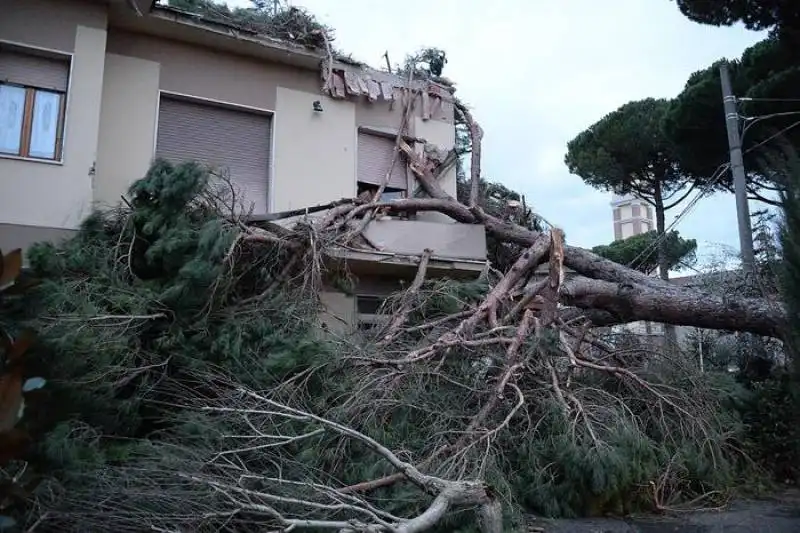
[
  {"x": 401, "y": 315},
  {"x": 446, "y": 493}
]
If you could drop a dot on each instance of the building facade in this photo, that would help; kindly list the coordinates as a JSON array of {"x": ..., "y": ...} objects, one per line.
[
  {"x": 91, "y": 91},
  {"x": 632, "y": 216}
]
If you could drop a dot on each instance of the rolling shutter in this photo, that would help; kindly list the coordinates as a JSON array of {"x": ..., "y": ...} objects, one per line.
[
  {"x": 375, "y": 156},
  {"x": 34, "y": 70},
  {"x": 232, "y": 140}
]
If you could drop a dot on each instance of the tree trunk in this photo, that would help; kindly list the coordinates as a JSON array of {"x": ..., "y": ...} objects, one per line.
[
  {"x": 609, "y": 303},
  {"x": 670, "y": 335}
]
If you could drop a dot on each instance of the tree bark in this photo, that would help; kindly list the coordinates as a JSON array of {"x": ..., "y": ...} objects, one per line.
[
  {"x": 670, "y": 335},
  {"x": 636, "y": 296},
  {"x": 621, "y": 303},
  {"x": 641, "y": 297}
]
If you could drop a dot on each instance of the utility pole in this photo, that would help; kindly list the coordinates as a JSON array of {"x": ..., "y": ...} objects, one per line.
[{"x": 737, "y": 169}]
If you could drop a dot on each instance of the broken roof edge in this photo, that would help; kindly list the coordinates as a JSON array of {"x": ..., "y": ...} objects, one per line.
[
  {"x": 295, "y": 54},
  {"x": 235, "y": 31}
]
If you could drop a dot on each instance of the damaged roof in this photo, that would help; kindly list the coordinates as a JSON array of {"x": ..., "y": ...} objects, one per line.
[{"x": 348, "y": 78}]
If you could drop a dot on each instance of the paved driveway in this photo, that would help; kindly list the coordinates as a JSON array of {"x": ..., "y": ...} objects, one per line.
[{"x": 773, "y": 516}]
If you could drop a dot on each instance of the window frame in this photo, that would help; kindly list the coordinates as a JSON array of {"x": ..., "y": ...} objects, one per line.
[
  {"x": 26, "y": 129},
  {"x": 28, "y": 118}
]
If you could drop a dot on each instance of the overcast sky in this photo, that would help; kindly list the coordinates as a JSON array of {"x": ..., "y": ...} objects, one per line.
[{"x": 537, "y": 73}]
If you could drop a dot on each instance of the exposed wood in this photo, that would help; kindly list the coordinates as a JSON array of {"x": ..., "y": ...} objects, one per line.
[
  {"x": 401, "y": 315},
  {"x": 476, "y": 135},
  {"x": 281, "y": 215},
  {"x": 643, "y": 297}
]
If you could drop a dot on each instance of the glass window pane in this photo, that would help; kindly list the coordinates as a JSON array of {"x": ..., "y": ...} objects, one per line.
[
  {"x": 46, "y": 107},
  {"x": 12, "y": 108},
  {"x": 390, "y": 195},
  {"x": 368, "y": 305}
]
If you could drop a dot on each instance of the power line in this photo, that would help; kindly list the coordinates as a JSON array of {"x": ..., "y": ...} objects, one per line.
[
  {"x": 778, "y": 134},
  {"x": 686, "y": 210},
  {"x": 752, "y": 99},
  {"x": 718, "y": 173}
]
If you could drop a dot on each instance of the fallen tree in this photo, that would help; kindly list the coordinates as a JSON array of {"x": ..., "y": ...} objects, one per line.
[
  {"x": 185, "y": 338},
  {"x": 172, "y": 318},
  {"x": 609, "y": 292}
]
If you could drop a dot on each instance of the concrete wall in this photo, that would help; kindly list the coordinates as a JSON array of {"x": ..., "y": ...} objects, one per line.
[
  {"x": 442, "y": 134},
  {"x": 14, "y": 236},
  {"x": 58, "y": 194},
  {"x": 339, "y": 312},
  {"x": 205, "y": 73},
  {"x": 412, "y": 237},
  {"x": 127, "y": 125},
  {"x": 25, "y": 22},
  {"x": 627, "y": 230},
  {"x": 315, "y": 153},
  {"x": 112, "y": 104}
]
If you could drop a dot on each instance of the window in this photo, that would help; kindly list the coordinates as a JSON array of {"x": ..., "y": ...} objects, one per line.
[
  {"x": 389, "y": 194},
  {"x": 32, "y": 104},
  {"x": 370, "y": 312},
  {"x": 230, "y": 140},
  {"x": 375, "y": 153}
]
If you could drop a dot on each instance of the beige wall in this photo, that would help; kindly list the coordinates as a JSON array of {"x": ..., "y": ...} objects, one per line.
[
  {"x": 197, "y": 71},
  {"x": 48, "y": 194},
  {"x": 442, "y": 134},
  {"x": 205, "y": 73},
  {"x": 627, "y": 230},
  {"x": 412, "y": 237},
  {"x": 338, "y": 314},
  {"x": 127, "y": 125},
  {"x": 315, "y": 153},
  {"x": 14, "y": 236},
  {"x": 48, "y": 23}
]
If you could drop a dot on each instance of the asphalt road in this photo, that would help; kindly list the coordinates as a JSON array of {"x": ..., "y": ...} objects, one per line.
[{"x": 769, "y": 516}]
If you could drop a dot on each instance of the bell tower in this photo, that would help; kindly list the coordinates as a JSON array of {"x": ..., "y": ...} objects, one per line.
[{"x": 632, "y": 216}]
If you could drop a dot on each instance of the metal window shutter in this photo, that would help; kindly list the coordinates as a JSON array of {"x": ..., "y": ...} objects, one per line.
[
  {"x": 232, "y": 140},
  {"x": 375, "y": 156},
  {"x": 32, "y": 70}
]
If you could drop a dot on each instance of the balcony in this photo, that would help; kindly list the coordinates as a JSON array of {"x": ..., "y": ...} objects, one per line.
[{"x": 459, "y": 250}]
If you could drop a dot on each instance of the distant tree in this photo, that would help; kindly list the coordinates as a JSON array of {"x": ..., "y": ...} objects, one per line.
[
  {"x": 783, "y": 16},
  {"x": 765, "y": 80},
  {"x": 639, "y": 251},
  {"x": 626, "y": 152}
]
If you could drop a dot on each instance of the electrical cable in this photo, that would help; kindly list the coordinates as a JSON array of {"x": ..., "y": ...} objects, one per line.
[
  {"x": 719, "y": 172},
  {"x": 752, "y": 99},
  {"x": 686, "y": 210}
]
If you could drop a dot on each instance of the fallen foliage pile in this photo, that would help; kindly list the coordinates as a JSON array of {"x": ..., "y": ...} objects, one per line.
[{"x": 190, "y": 389}]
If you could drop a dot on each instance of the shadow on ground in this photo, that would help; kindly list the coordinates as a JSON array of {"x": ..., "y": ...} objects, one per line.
[{"x": 780, "y": 515}]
